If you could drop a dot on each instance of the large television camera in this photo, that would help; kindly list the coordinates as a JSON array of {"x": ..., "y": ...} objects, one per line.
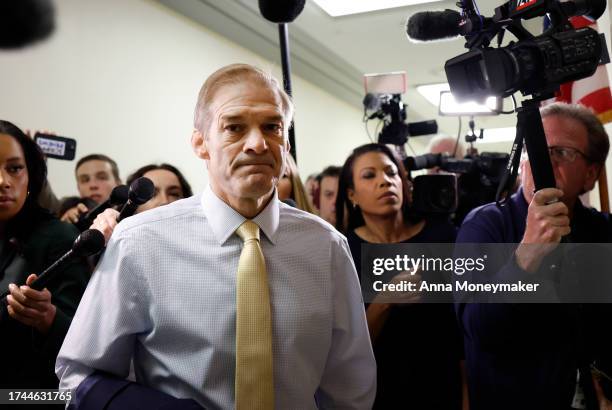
[
  {"x": 534, "y": 65},
  {"x": 476, "y": 178}
]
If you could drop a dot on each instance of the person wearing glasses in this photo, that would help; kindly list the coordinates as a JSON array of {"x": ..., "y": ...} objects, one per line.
[{"x": 537, "y": 356}]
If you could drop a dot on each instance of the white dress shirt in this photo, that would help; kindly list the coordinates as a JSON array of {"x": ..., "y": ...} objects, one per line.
[{"x": 164, "y": 294}]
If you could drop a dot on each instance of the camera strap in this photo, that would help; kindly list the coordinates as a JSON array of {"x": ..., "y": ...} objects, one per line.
[
  {"x": 529, "y": 131},
  {"x": 510, "y": 173}
]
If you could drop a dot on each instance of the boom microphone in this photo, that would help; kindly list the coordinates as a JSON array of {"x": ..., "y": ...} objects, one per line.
[
  {"x": 118, "y": 196},
  {"x": 88, "y": 243},
  {"x": 281, "y": 11},
  {"x": 23, "y": 22},
  {"x": 141, "y": 190},
  {"x": 434, "y": 25}
]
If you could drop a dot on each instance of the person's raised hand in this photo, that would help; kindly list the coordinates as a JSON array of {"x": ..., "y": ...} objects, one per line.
[{"x": 547, "y": 223}]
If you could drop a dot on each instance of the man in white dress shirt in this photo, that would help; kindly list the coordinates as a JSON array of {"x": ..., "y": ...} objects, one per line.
[{"x": 164, "y": 294}]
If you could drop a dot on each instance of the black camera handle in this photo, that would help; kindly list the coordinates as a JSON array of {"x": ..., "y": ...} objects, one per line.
[{"x": 530, "y": 131}]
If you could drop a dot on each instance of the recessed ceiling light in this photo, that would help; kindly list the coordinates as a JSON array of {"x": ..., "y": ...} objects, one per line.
[{"x": 336, "y": 8}]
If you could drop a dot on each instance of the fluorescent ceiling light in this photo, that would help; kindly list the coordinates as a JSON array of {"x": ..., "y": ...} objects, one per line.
[
  {"x": 431, "y": 92},
  {"x": 336, "y": 8}
]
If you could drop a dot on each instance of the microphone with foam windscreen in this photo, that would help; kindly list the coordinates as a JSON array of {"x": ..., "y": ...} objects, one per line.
[
  {"x": 118, "y": 196},
  {"x": 23, "y": 22},
  {"x": 434, "y": 25},
  {"x": 283, "y": 12},
  {"x": 141, "y": 190},
  {"x": 87, "y": 243}
]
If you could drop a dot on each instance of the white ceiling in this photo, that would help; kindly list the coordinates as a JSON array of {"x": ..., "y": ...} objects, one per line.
[{"x": 335, "y": 52}]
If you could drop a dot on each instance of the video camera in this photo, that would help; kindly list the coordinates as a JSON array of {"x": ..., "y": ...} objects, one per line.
[
  {"x": 390, "y": 109},
  {"x": 383, "y": 101},
  {"x": 476, "y": 183},
  {"x": 534, "y": 65}
]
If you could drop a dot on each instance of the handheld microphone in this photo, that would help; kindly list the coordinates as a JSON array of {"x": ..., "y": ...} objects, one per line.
[
  {"x": 118, "y": 196},
  {"x": 24, "y": 22},
  {"x": 281, "y": 11},
  {"x": 88, "y": 243},
  {"x": 434, "y": 25},
  {"x": 141, "y": 190}
]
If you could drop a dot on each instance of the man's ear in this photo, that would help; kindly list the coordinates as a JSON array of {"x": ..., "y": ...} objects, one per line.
[
  {"x": 288, "y": 146},
  {"x": 592, "y": 175},
  {"x": 198, "y": 143}
]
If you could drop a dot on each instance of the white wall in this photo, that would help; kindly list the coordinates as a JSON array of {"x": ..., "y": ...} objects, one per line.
[{"x": 122, "y": 77}]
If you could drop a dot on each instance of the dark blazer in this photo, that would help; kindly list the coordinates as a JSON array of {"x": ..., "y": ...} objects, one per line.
[{"x": 28, "y": 358}]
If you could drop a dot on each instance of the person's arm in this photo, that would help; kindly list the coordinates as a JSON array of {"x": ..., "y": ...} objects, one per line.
[
  {"x": 49, "y": 312},
  {"x": 114, "y": 309},
  {"x": 495, "y": 324},
  {"x": 73, "y": 214},
  {"x": 106, "y": 223},
  {"x": 349, "y": 378}
]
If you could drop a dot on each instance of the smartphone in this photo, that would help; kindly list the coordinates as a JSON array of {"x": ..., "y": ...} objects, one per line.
[{"x": 57, "y": 147}]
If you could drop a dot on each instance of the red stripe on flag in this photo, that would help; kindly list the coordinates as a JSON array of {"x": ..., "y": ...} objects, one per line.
[
  {"x": 565, "y": 93},
  {"x": 582, "y": 21},
  {"x": 600, "y": 101}
]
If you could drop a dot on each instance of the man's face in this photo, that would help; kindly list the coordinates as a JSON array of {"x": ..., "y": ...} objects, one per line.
[
  {"x": 244, "y": 142},
  {"x": 95, "y": 180},
  {"x": 573, "y": 178},
  {"x": 328, "y": 190}
]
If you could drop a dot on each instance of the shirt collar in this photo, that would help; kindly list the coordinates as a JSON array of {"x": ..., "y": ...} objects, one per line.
[{"x": 224, "y": 220}]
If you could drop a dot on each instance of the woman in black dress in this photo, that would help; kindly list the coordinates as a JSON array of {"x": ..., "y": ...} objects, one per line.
[
  {"x": 33, "y": 323},
  {"x": 418, "y": 347}
]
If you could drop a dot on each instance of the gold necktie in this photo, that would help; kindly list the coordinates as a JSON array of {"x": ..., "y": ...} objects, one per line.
[{"x": 254, "y": 386}]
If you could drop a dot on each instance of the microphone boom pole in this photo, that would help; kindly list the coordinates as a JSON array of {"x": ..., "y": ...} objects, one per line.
[
  {"x": 282, "y": 12},
  {"x": 283, "y": 37}
]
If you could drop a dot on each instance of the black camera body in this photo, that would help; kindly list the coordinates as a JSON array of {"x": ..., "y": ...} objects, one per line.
[
  {"x": 533, "y": 65},
  {"x": 476, "y": 184},
  {"x": 540, "y": 64},
  {"x": 392, "y": 111}
]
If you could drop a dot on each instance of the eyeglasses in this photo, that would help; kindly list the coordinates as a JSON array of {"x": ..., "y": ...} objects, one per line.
[{"x": 565, "y": 154}]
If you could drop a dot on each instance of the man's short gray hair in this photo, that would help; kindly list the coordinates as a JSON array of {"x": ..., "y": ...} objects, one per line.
[
  {"x": 439, "y": 142},
  {"x": 599, "y": 144},
  {"x": 234, "y": 74}
]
